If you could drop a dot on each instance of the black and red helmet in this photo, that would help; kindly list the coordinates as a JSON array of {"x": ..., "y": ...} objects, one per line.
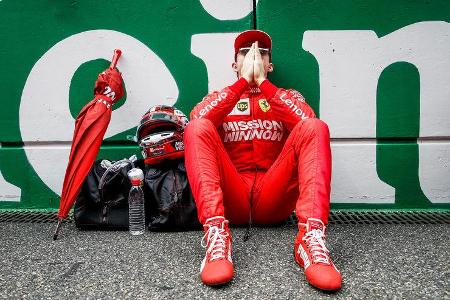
[{"x": 160, "y": 134}]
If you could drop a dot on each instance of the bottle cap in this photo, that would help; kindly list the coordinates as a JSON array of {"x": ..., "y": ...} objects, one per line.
[{"x": 136, "y": 176}]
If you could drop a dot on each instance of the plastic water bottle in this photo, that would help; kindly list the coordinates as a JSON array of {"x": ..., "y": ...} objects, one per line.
[{"x": 136, "y": 202}]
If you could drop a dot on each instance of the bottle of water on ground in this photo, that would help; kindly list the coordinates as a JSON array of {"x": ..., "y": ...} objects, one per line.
[{"x": 136, "y": 202}]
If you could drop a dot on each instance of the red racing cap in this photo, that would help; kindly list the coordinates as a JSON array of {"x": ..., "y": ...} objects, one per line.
[{"x": 248, "y": 37}]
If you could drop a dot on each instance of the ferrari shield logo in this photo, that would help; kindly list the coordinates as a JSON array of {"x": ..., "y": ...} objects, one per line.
[
  {"x": 264, "y": 105},
  {"x": 242, "y": 106}
]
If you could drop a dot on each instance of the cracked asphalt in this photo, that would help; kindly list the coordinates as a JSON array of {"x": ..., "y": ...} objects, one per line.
[{"x": 377, "y": 262}]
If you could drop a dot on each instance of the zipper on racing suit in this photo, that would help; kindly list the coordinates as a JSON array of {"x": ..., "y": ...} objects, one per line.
[{"x": 250, "y": 217}]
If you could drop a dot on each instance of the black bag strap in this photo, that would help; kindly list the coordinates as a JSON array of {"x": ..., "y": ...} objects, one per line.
[{"x": 113, "y": 170}]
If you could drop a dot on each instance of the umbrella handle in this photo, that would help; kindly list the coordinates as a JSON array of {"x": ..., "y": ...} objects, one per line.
[
  {"x": 58, "y": 227},
  {"x": 117, "y": 54}
]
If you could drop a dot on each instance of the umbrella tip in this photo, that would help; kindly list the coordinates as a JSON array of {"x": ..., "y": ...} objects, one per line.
[
  {"x": 117, "y": 54},
  {"x": 56, "y": 233}
]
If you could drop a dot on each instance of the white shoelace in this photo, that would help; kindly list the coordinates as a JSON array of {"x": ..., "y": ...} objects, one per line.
[
  {"x": 216, "y": 238},
  {"x": 314, "y": 239}
]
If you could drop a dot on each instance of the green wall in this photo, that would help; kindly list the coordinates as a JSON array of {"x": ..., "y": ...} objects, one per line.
[{"x": 378, "y": 72}]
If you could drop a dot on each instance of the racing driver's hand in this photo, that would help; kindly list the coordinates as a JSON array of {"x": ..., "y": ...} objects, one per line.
[
  {"x": 258, "y": 66},
  {"x": 247, "y": 65}
]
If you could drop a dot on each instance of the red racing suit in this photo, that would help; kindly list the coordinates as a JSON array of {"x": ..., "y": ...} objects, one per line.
[{"x": 256, "y": 154}]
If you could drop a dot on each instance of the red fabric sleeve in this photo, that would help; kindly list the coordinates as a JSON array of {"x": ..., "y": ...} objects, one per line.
[
  {"x": 239, "y": 86},
  {"x": 268, "y": 89},
  {"x": 287, "y": 105},
  {"x": 217, "y": 105}
]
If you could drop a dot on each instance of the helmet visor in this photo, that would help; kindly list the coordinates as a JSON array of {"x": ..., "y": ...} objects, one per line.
[{"x": 155, "y": 138}]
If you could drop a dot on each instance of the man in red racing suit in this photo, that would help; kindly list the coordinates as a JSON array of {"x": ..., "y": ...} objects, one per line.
[{"x": 254, "y": 153}]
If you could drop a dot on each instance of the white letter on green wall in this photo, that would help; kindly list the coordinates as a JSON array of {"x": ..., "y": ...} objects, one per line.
[
  {"x": 44, "y": 108},
  {"x": 8, "y": 191},
  {"x": 350, "y": 63}
]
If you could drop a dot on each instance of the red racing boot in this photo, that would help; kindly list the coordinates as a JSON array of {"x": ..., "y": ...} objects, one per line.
[
  {"x": 311, "y": 253},
  {"x": 217, "y": 266}
]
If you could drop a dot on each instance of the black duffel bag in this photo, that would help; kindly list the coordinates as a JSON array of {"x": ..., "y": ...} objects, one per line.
[
  {"x": 171, "y": 206},
  {"x": 103, "y": 200}
]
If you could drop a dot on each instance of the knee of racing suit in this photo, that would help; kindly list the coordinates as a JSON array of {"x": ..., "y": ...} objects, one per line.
[
  {"x": 308, "y": 133},
  {"x": 311, "y": 125},
  {"x": 198, "y": 127},
  {"x": 309, "y": 128}
]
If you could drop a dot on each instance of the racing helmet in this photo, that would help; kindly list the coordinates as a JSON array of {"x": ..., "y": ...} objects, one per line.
[{"x": 160, "y": 134}]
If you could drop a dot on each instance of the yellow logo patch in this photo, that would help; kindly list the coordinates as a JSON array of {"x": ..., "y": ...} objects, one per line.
[{"x": 264, "y": 105}]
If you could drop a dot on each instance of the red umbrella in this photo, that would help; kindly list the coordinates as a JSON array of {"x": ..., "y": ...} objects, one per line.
[{"x": 90, "y": 127}]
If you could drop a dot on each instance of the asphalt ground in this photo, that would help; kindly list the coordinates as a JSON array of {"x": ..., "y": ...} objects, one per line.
[{"x": 377, "y": 262}]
